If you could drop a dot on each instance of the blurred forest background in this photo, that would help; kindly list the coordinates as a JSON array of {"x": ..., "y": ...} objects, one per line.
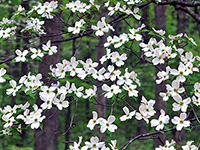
[{"x": 177, "y": 21}]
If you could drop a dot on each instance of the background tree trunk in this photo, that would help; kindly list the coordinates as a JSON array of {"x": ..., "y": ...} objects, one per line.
[
  {"x": 46, "y": 139},
  {"x": 160, "y": 23},
  {"x": 101, "y": 107},
  {"x": 182, "y": 22}
]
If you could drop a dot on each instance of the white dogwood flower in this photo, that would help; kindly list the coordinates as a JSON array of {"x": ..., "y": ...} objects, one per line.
[
  {"x": 94, "y": 121},
  {"x": 107, "y": 124},
  {"x": 128, "y": 114},
  {"x": 114, "y": 89},
  {"x": 159, "y": 123},
  {"x": 50, "y": 49},
  {"x": 180, "y": 122},
  {"x": 21, "y": 55}
]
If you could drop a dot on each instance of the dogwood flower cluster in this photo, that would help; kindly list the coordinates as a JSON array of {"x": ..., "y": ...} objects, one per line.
[
  {"x": 36, "y": 53},
  {"x": 105, "y": 124},
  {"x": 189, "y": 146},
  {"x": 11, "y": 115},
  {"x": 89, "y": 70},
  {"x": 34, "y": 24},
  {"x": 163, "y": 75},
  {"x": 118, "y": 41},
  {"x": 118, "y": 79},
  {"x": 146, "y": 110},
  {"x": 168, "y": 145},
  {"x": 114, "y": 57},
  {"x": 7, "y": 28},
  {"x": 124, "y": 9},
  {"x": 132, "y": 2},
  {"x": 93, "y": 144},
  {"x": 102, "y": 27},
  {"x": 78, "y": 6},
  {"x": 159, "y": 53},
  {"x": 77, "y": 27},
  {"x": 47, "y": 9}
]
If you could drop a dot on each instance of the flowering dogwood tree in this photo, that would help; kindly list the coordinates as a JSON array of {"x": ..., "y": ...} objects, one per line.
[{"x": 117, "y": 80}]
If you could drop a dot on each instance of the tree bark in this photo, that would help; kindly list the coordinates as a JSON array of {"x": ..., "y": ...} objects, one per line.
[
  {"x": 101, "y": 107},
  {"x": 182, "y": 22},
  {"x": 46, "y": 139},
  {"x": 160, "y": 23}
]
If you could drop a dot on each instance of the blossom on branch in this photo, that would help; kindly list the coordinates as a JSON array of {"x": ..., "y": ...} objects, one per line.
[
  {"x": 128, "y": 114},
  {"x": 180, "y": 122},
  {"x": 50, "y": 49},
  {"x": 107, "y": 124}
]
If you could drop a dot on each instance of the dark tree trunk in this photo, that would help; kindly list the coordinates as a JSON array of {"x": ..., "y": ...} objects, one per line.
[
  {"x": 160, "y": 23},
  {"x": 182, "y": 23},
  {"x": 46, "y": 139},
  {"x": 68, "y": 114},
  {"x": 101, "y": 107},
  {"x": 101, "y": 100},
  {"x": 24, "y": 70},
  {"x": 141, "y": 126}
]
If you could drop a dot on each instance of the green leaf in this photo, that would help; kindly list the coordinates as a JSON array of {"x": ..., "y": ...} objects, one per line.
[
  {"x": 108, "y": 132},
  {"x": 13, "y": 61},
  {"x": 1, "y": 39},
  {"x": 6, "y": 77},
  {"x": 166, "y": 127},
  {"x": 145, "y": 30},
  {"x": 122, "y": 47},
  {"x": 41, "y": 126},
  {"x": 88, "y": 11},
  {"x": 62, "y": 7},
  {"x": 39, "y": 58},
  {"x": 187, "y": 128},
  {"x": 23, "y": 13},
  {"x": 162, "y": 131}
]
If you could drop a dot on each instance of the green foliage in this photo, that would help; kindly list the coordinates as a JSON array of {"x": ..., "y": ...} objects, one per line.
[{"x": 13, "y": 147}]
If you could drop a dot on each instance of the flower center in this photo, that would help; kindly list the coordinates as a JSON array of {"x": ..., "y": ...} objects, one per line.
[
  {"x": 181, "y": 121},
  {"x": 181, "y": 103}
]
